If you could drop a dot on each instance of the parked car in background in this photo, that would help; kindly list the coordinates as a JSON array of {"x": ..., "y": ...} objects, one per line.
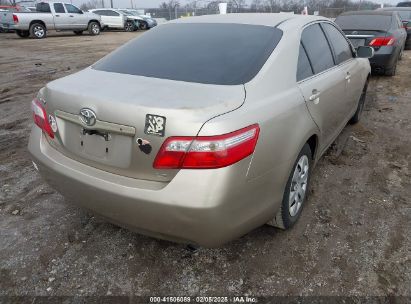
[
  {"x": 208, "y": 139},
  {"x": 145, "y": 22},
  {"x": 404, "y": 4},
  {"x": 116, "y": 19},
  {"x": 57, "y": 16},
  {"x": 405, "y": 16},
  {"x": 382, "y": 30}
]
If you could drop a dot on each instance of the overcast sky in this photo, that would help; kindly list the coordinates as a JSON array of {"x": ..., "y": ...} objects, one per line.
[{"x": 156, "y": 3}]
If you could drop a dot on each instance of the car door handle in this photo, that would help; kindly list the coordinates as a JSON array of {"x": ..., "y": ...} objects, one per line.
[
  {"x": 315, "y": 98},
  {"x": 71, "y": 16},
  {"x": 57, "y": 15}
]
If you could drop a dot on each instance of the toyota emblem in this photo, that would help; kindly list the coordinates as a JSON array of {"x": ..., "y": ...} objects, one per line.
[{"x": 88, "y": 117}]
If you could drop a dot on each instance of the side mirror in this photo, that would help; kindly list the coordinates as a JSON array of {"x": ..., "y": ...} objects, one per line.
[{"x": 365, "y": 52}]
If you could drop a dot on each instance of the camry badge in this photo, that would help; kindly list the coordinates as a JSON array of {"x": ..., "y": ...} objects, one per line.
[{"x": 88, "y": 117}]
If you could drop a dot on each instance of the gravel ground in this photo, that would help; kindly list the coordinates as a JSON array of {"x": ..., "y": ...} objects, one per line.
[{"x": 354, "y": 236}]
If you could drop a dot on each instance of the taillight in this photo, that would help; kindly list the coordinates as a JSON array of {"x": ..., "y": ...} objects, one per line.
[
  {"x": 207, "y": 152},
  {"x": 382, "y": 41},
  {"x": 15, "y": 19},
  {"x": 40, "y": 117}
]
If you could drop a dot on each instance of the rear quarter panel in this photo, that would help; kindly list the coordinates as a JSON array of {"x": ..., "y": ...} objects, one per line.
[
  {"x": 274, "y": 101},
  {"x": 25, "y": 20}
]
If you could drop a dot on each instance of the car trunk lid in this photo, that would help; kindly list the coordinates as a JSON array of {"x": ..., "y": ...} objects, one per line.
[
  {"x": 134, "y": 115},
  {"x": 363, "y": 37}
]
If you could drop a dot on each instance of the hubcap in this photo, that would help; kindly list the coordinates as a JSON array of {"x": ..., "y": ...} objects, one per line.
[
  {"x": 38, "y": 31},
  {"x": 298, "y": 185},
  {"x": 95, "y": 29}
]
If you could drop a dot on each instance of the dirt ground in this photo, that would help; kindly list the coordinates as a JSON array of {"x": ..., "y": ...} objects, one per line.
[{"x": 354, "y": 237}]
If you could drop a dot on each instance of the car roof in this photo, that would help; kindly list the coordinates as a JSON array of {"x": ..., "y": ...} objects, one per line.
[
  {"x": 266, "y": 19},
  {"x": 369, "y": 12},
  {"x": 395, "y": 9}
]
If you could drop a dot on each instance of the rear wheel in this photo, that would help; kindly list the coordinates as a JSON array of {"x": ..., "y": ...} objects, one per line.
[
  {"x": 295, "y": 192},
  {"x": 23, "y": 34},
  {"x": 357, "y": 116},
  {"x": 129, "y": 26},
  {"x": 38, "y": 31},
  {"x": 393, "y": 70},
  {"x": 78, "y": 32},
  {"x": 401, "y": 53},
  {"x": 94, "y": 28}
]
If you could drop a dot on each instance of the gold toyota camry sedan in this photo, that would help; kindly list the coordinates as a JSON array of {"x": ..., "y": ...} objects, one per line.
[{"x": 203, "y": 128}]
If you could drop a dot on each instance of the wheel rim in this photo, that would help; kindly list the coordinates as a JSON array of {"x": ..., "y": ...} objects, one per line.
[
  {"x": 298, "y": 185},
  {"x": 38, "y": 31},
  {"x": 95, "y": 29},
  {"x": 128, "y": 27}
]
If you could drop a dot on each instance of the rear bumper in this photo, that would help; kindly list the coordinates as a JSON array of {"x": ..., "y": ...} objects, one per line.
[
  {"x": 206, "y": 207},
  {"x": 384, "y": 58}
]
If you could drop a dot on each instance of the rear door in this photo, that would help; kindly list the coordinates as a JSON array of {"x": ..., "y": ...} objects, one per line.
[
  {"x": 324, "y": 85},
  {"x": 343, "y": 57}
]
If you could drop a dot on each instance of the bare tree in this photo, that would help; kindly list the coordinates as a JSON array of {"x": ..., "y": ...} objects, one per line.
[
  {"x": 90, "y": 5},
  {"x": 171, "y": 6},
  {"x": 256, "y": 5}
]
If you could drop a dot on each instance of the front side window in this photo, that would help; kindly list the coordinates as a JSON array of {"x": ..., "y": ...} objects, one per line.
[
  {"x": 304, "y": 69},
  {"x": 317, "y": 48},
  {"x": 71, "y": 9},
  {"x": 58, "y": 8},
  {"x": 340, "y": 45},
  {"x": 223, "y": 54},
  {"x": 113, "y": 13}
]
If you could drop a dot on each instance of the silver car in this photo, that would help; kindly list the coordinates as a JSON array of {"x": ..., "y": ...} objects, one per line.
[{"x": 209, "y": 132}]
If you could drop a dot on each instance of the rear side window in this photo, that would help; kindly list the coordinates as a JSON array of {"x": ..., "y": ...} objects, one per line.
[
  {"x": 342, "y": 49},
  {"x": 304, "y": 69},
  {"x": 364, "y": 22},
  {"x": 224, "y": 54},
  {"x": 58, "y": 8},
  {"x": 318, "y": 50},
  {"x": 43, "y": 7}
]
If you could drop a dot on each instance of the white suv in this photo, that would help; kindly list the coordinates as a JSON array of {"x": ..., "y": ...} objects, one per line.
[{"x": 116, "y": 19}]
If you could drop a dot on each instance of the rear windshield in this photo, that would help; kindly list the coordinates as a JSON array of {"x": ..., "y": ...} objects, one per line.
[
  {"x": 224, "y": 54},
  {"x": 364, "y": 22}
]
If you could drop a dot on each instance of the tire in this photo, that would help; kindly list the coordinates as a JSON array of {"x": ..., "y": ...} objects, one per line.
[
  {"x": 143, "y": 26},
  {"x": 401, "y": 54},
  {"x": 297, "y": 186},
  {"x": 38, "y": 31},
  {"x": 357, "y": 115},
  {"x": 129, "y": 26},
  {"x": 78, "y": 33},
  {"x": 94, "y": 28},
  {"x": 23, "y": 34},
  {"x": 392, "y": 71}
]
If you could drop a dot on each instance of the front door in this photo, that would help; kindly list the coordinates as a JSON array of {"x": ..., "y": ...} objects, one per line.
[{"x": 61, "y": 17}]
